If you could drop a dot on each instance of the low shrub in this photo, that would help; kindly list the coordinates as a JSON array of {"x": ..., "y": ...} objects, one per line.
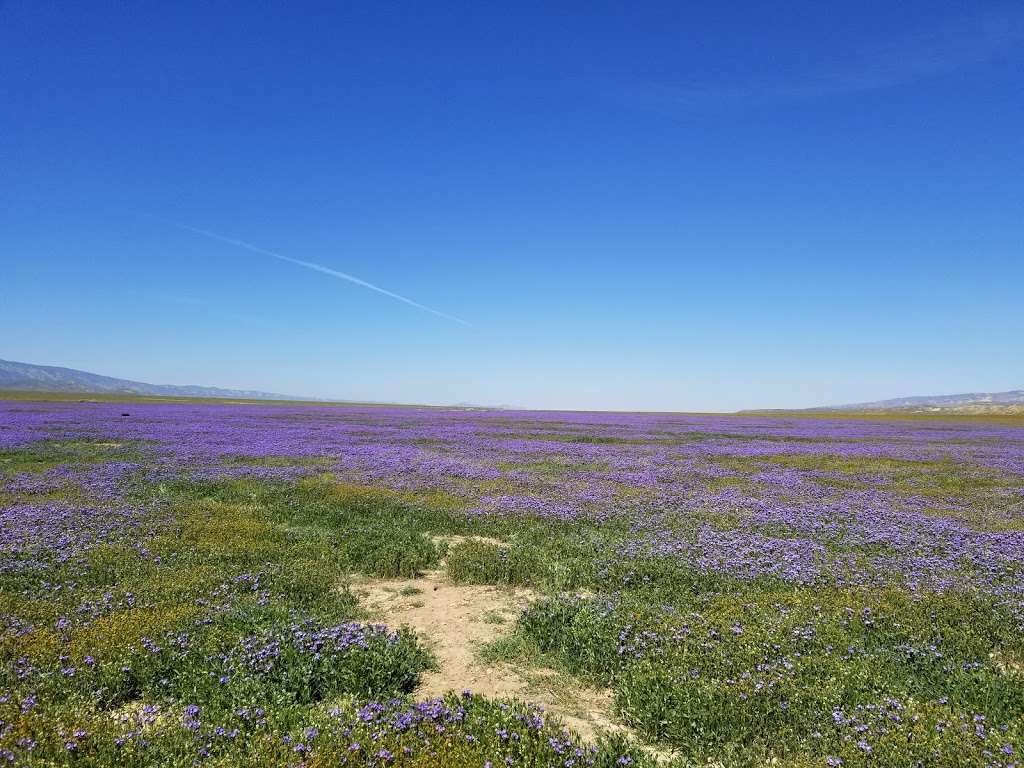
[
  {"x": 483, "y": 562},
  {"x": 314, "y": 662},
  {"x": 388, "y": 552}
]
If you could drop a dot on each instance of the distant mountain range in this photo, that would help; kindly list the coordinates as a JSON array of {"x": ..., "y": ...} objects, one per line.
[
  {"x": 50, "y": 378},
  {"x": 971, "y": 402},
  {"x": 28, "y": 377}
]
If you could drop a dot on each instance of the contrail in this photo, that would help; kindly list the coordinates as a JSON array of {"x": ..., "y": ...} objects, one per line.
[{"x": 315, "y": 268}]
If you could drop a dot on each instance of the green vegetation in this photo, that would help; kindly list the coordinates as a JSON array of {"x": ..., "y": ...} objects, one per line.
[{"x": 770, "y": 609}]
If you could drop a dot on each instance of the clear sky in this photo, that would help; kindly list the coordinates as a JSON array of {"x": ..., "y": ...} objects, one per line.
[{"x": 686, "y": 206}]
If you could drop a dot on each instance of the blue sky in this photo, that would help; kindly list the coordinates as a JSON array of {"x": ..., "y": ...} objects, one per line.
[{"x": 630, "y": 206}]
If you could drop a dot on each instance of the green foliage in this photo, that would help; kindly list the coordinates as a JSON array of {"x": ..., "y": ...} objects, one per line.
[
  {"x": 483, "y": 562},
  {"x": 234, "y": 597},
  {"x": 741, "y": 678},
  {"x": 462, "y": 732},
  {"x": 388, "y": 553}
]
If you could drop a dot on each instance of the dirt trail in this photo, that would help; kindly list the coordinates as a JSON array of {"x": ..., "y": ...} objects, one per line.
[{"x": 456, "y": 620}]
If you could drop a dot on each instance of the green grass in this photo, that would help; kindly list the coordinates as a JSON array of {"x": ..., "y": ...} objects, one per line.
[
  {"x": 718, "y": 670},
  {"x": 49, "y": 454},
  {"x": 232, "y": 571},
  {"x": 750, "y": 676}
]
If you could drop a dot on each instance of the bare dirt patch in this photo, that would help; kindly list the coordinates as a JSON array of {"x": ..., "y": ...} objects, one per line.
[
  {"x": 454, "y": 540},
  {"x": 456, "y": 620}
]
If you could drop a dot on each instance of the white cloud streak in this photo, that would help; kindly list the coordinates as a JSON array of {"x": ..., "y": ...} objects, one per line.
[
  {"x": 317, "y": 268},
  {"x": 925, "y": 55}
]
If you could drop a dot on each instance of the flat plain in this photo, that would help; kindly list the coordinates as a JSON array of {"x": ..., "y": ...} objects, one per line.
[{"x": 194, "y": 583}]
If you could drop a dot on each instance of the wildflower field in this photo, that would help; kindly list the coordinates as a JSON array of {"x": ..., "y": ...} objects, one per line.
[{"x": 176, "y": 585}]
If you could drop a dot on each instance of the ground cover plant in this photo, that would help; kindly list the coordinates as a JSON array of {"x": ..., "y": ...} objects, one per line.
[{"x": 753, "y": 590}]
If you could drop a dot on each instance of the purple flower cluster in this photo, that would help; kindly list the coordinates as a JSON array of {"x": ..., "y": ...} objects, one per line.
[
  {"x": 262, "y": 654},
  {"x": 800, "y": 499}
]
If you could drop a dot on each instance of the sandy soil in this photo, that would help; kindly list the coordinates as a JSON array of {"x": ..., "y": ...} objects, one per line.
[{"x": 455, "y": 620}]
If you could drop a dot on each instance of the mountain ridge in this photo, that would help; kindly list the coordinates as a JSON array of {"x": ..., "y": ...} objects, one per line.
[
  {"x": 53, "y": 378},
  {"x": 32, "y": 377},
  {"x": 967, "y": 400},
  {"x": 1008, "y": 402}
]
